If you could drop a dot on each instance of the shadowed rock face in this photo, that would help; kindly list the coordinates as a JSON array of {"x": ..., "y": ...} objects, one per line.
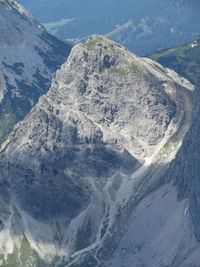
[
  {"x": 185, "y": 169},
  {"x": 29, "y": 58},
  {"x": 72, "y": 165}
]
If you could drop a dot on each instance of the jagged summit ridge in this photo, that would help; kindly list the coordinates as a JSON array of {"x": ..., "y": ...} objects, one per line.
[{"x": 89, "y": 151}]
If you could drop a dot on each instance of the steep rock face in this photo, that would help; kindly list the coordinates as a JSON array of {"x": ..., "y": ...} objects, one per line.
[
  {"x": 185, "y": 168},
  {"x": 132, "y": 96},
  {"x": 100, "y": 140},
  {"x": 29, "y": 58}
]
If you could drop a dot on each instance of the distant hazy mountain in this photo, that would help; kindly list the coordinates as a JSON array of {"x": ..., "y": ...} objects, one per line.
[
  {"x": 184, "y": 59},
  {"x": 142, "y": 26},
  {"x": 29, "y": 57}
]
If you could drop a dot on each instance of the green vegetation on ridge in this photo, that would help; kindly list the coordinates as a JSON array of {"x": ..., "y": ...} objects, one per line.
[
  {"x": 54, "y": 25},
  {"x": 185, "y": 59}
]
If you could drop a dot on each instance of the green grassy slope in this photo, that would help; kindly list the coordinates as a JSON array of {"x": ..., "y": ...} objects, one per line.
[{"x": 184, "y": 59}]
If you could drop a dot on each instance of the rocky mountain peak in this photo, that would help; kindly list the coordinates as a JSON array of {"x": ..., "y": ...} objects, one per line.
[
  {"x": 119, "y": 90},
  {"x": 15, "y": 20},
  {"x": 24, "y": 78},
  {"x": 103, "y": 94},
  {"x": 89, "y": 151},
  {"x": 15, "y": 5}
]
